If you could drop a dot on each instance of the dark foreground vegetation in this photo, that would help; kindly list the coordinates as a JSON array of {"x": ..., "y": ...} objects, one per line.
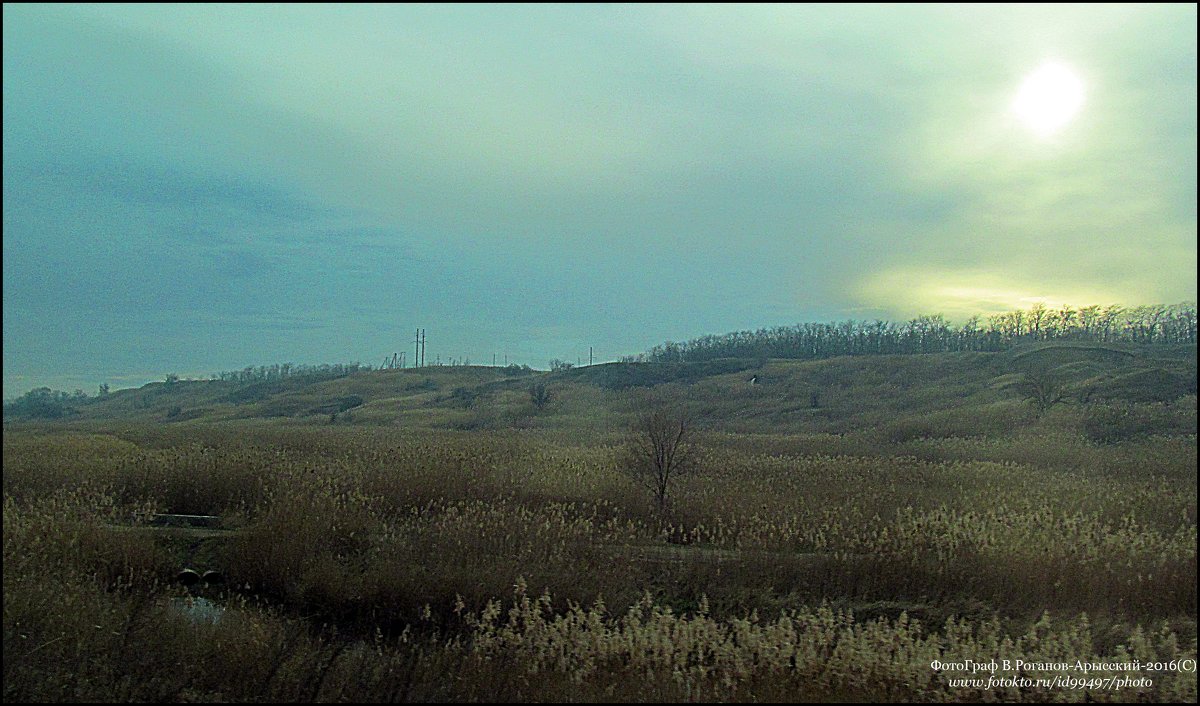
[{"x": 458, "y": 534}]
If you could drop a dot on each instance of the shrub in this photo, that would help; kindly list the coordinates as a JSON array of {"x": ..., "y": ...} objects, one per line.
[
  {"x": 422, "y": 385},
  {"x": 539, "y": 395},
  {"x": 463, "y": 396},
  {"x": 1114, "y": 423}
]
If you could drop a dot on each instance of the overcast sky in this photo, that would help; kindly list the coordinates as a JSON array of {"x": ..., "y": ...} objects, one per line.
[{"x": 197, "y": 188}]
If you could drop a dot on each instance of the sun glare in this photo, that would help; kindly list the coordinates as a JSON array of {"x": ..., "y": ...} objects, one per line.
[{"x": 1048, "y": 99}]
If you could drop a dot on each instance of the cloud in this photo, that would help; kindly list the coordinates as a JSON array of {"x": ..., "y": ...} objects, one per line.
[{"x": 621, "y": 173}]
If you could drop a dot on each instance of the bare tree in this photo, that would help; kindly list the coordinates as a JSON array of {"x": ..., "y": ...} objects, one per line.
[
  {"x": 1066, "y": 321},
  {"x": 661, "y": 445},
  {"x": 1038, "y": 315},
  {"x": 1042, "y": 388}
]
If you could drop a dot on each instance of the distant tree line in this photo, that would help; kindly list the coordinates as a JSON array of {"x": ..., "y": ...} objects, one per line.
[
  {"x": 934, "y": 334},
  {"x": 44, "y": 403},
  {"x": 282, "y": 371}
]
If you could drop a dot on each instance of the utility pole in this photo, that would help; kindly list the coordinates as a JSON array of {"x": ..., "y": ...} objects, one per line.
[
  {"x": 422, "y": 348},
  {"x": 417, "y": 352},
  {"x": 589, "y": 355}
]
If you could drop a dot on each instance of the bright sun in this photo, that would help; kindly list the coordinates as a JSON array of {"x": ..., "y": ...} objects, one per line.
[{"x": 1048, "y": 99}]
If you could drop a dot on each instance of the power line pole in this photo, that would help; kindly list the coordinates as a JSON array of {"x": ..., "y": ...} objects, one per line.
[
  {"x": 422, "y": 348},
  {"x": 589, "y": 355}
]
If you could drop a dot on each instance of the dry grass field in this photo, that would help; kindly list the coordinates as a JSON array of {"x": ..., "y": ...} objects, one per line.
[{"x": 447, "y": 541}]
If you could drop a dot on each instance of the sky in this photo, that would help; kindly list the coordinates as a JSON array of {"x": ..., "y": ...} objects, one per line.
[{"x": 196, "y": 188}]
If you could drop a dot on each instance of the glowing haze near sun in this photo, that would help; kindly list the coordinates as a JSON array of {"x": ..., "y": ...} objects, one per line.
[{"x": 1048, "y": 99}]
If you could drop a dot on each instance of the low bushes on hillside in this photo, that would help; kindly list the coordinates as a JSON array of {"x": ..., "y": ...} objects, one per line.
[{"x": 1117, "y": 422}]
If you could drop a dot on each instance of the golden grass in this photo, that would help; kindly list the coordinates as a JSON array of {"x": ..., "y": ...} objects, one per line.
[{"x": 369, "y": 564}]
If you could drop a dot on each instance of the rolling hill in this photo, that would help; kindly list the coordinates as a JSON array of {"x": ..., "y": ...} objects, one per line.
[{"x": 896, "y": 396}]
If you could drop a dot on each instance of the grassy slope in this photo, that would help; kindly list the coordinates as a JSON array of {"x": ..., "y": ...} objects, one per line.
[{"x": 899, "y": 396}]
